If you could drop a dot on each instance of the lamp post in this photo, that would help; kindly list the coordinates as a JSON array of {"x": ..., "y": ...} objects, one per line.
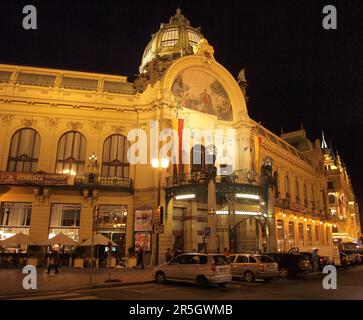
[
  {"x": 159, "y": 165},
  {"x": 231, "y": 197},
  {"x": 95, "y": 215}
]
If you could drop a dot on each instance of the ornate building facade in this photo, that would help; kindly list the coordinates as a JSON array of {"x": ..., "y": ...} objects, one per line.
[{"x": 67, "y": 139}]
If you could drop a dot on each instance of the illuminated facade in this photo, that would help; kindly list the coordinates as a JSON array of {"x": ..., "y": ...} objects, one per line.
[{"x": 64, "y": 163}]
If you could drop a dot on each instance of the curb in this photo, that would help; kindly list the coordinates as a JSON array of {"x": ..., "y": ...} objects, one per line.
[{"x": 82, "y": 288}]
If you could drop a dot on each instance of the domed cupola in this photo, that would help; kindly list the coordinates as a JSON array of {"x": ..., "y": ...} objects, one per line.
[{"x": 173, "y": 40}]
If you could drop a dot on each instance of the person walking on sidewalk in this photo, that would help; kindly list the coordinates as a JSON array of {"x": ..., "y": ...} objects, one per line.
[
  {"x": 53, "y": 262},
  {"x": 168, "y": 255},
  {"x": 140, "y": 257},
  {"x": 315, "y": 260}
]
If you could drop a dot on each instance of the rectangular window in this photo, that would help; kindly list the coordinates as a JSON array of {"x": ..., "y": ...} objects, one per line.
[
  {"x": 317, "y": 235},
  {"x": 280, "y": 230},
  {"x": 14, "y": 218},
  {"x": 292, "y": 231},
  {"x": 65, "y": 218},
  {"x": 309, "y": 235},
  {"x": 301, "y": 234}
]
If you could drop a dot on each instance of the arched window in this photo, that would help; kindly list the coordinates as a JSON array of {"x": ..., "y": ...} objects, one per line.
[
  {"x": 297, "y": 191},
  {"x": 71, "y": 153},
  {"x": 114, "y": 160},
  {"x": 197, "y": 158},
  {"x": 287, "y": 186},
  {"x": 24, "y": 151},
  {"x": 277, "y": 185}
]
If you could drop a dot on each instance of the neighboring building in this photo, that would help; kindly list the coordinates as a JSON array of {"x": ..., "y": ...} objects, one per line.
[
  {"x": 64, "y": 164},
  {"x": 342, "y": 202}
]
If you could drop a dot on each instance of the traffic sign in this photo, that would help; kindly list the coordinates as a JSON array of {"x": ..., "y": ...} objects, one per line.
[
  {"x": 158, "y": 228},
  {"x": 207, "y": 232}
]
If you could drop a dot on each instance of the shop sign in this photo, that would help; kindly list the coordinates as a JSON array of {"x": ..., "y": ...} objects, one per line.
[
  {"x": 143, "y": 220},
  {"x": 35, "y": 179}
]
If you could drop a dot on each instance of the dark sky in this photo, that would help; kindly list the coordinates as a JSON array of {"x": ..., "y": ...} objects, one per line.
[{"x": 297, "y": 71}]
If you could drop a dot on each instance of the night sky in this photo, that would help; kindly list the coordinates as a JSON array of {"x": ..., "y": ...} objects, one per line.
[{"x": 297, "y": 71}]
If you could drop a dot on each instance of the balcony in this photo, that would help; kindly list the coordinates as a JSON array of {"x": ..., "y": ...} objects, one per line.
[
  {"x": 197, "y": 183},
  {"x": 104, "y": 183}
]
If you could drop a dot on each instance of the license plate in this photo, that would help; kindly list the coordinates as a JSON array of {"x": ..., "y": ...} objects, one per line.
[
  {"x": 223, "y": 269},
  {"x": 271, "y": 266}
]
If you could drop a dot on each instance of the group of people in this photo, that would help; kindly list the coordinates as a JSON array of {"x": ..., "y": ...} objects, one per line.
[{"x": 169, "y": 255}]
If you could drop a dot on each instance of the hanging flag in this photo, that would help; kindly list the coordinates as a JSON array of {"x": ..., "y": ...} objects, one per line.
[
  {"x": 178, "y": 125},
  {"x": 257, "y": 142}
]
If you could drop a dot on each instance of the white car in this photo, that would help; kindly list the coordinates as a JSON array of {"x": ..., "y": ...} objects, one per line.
[
  {"x": 251, "y": 267},
  {"x": 202, "y": 269}
]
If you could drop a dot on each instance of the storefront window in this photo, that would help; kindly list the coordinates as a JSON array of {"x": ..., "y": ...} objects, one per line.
[
  {"x": 317, "y": 235},
  {"x": 309, "y": 235},
  {"x": 280, "y": 230},
  {"x": 14, "y": 218},
  {"x": 301, "y": 234},
  {"x": 65, "y": 218},
  {"x": 112, "y": 221},
  {"x": 292, "y": 232}
]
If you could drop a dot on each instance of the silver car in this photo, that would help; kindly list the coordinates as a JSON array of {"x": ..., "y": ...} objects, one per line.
[
  {"x": 251, "y": 267},
  {"x": 202, "y": 269}
]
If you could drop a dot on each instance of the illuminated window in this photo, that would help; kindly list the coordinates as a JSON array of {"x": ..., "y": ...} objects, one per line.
[
  {"x": 331, "y": 199},
  {"x": 24, "y": 151},
  {"x": 301, "y": 234},
  {"x": 114, "y": 160},
  {"x": 309, "y": 235},
  {"x": 14, "y": 218},
  {"x": 194, "y": 38},
  {"x": 280, "y": 230},
  {"x": 65, "y": 218},
  {"x": 317, "y": 235},
  {"x": 291, "y": 231},
  {"x": 71, "y": 153},
  {"x": 170, "y": 37}
]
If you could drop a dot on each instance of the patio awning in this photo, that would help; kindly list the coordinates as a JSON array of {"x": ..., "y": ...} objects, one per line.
[
  {"x": 60, "y": 239},
  {"x": 98, "y": 239},
  {"x": 18, "y": 239}
]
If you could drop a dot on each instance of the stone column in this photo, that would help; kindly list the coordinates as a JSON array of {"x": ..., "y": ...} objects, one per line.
[{"x": 212, "y": 219}]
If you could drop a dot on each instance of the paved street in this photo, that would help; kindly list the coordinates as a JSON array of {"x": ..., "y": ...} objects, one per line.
[{"x": 350, "y": 286}]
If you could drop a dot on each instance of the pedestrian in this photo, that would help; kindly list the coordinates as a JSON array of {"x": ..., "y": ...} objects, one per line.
[
  {"x": 140, "y": 257},
  {"x": 315, "y": 260},
  {"x": 131, "y": 252},
  {"x": 53, "y": 262},
  {"x": 168, "y": 255},
  {"x": 226, "y": 252},
  {"x": 178, "y": 252}
]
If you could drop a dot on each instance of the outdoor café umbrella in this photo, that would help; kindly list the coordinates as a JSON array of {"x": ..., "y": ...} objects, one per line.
[
  {"x": 98, "y": 239},
  {"x": 61, "y": 239},
  {"x": 18, "y": 239}
]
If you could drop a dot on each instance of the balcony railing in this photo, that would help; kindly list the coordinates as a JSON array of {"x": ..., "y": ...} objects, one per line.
[
  {"x": 104, "y": 181},
  {"x": 239, "y": 176}
]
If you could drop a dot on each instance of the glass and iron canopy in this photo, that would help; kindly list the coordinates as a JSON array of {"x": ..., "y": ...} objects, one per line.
[{"x": 174, "y": 39}]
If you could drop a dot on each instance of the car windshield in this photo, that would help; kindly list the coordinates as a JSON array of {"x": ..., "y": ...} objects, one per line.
[
  {"x": 220, "y": 260},
  {"x": 265, "y": 259}
]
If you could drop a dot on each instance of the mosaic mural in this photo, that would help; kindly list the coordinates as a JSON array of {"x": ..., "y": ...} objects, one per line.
[{"x": 201, "y": 92}]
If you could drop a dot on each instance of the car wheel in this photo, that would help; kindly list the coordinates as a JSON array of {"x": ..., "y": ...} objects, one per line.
[
  {"x": 284, "y": 273},
  {"x": 202, "y": 282},
  {"x": 249, "y": 277},
  {"x": 160, "y": 278},
  {"x": 268, "y": 279}
]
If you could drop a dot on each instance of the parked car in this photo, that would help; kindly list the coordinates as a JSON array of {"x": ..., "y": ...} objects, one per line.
[
  {"x": 344, "y": 259},
  {"x": 323, "y": 261},
  {"x": 251, "y": 267},
  {"x": 290, "y": 264},
  {"x": 353, "y": 257},
  {"x": 202, "y": 269},
  {"x": 360, "y": 251}
]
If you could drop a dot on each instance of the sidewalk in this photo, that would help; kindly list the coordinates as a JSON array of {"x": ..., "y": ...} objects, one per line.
[{"x": 69, "y": 279}]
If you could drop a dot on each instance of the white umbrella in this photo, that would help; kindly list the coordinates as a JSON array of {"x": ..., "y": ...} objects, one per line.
[
  {"x": 19, "y": 238},
  {"x": 61, "y": 238},
  {"x": 98, "y": 239}
]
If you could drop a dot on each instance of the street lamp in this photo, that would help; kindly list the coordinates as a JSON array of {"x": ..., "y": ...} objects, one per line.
[{"x": 159, "y": 165}]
